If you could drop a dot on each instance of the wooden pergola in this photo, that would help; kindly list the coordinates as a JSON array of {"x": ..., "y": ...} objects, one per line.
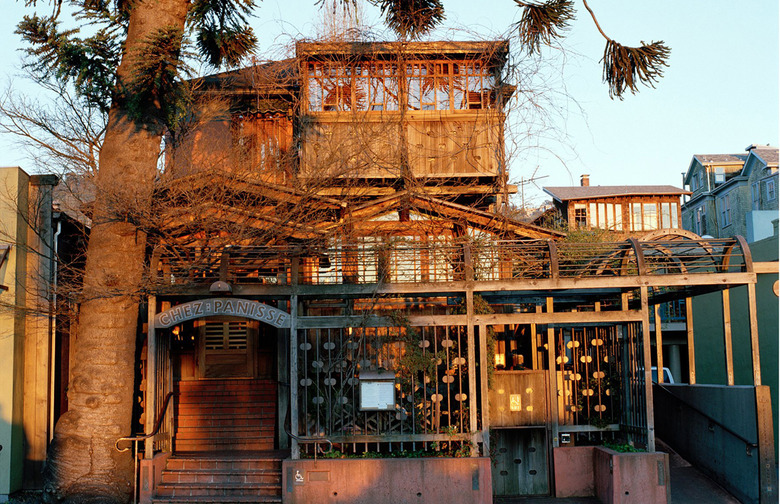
[{"x": 549, "y": 285}]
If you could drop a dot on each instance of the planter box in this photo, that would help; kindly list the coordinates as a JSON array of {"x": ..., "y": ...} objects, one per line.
[
  {"x": 387, "y": 481},
  {"x": 613, "y": 477}
]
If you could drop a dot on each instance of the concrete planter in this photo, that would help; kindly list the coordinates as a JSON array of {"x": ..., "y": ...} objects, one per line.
[
  {"x": 613, "y": 477},
  {"x": 387, "y": 481}
]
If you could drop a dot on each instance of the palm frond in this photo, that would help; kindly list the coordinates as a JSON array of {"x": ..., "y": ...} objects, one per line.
[
  {"x": 626, "y": 67},
  {"x": 542, "y": 23},
  {"x": 411, "y": 19}
]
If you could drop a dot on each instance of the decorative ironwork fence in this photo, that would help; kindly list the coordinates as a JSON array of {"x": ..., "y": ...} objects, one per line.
[{"x": 429, "y": 367}]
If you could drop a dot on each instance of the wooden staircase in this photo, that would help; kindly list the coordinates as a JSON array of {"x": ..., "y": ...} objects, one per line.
[
  {"x": 225, "y": 415},
  {"x": 226, "y": 478},
  {"x": 223, "y": 444}
]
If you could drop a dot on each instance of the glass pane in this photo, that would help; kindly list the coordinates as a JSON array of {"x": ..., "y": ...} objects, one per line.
[
  {"x": 611, "y": 217},
  {"x": 602, "y": 216},
  {"x": 675, "y": 219},
  {"x": 636, "y": 217},
  {"x": 666, "y": 216},
  {"x": 458, "y": 87},
  {"x": 650, "y": 216},
  {"x": 618, "y": 217},
  {"x": 592, "y": 215}
]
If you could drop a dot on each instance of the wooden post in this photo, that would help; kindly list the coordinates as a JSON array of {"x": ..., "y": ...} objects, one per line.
[
  {"x": 753, "y": 320},
  {"x": 484, "y": 361},
  {"x": 295, "y": 450},
  {"x": 649, "y": 417},
  {"x": 691, "y": 347},
  {"x": 150, "y": 394},
  {"x": 659, "y": 348},
  {"x": 553, "y": 378},
  {"x": 472, "y": 360},
  {"x": 727, "y": 337}
]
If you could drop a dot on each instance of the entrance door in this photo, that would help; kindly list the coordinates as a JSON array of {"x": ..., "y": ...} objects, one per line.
[{"x": 228, "y": 348}]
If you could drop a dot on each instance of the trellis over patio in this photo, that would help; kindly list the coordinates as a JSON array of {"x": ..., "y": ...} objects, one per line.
[{"x": 344, "y": 300}]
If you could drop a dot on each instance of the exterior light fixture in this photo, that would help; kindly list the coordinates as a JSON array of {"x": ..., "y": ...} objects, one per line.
[{"x": 220, "y": 287}]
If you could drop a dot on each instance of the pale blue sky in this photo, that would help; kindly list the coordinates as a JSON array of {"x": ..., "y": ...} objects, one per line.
[{"x": 719, "y": 94}]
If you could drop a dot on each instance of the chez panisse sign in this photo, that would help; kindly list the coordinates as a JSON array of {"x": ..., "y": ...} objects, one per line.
[{"x": 223, "y": 306}]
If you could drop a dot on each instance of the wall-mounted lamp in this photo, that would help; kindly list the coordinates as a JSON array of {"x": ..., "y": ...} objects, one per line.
[{"x": 220, "y": 287}]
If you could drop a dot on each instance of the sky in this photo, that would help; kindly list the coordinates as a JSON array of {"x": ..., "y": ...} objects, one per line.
[{"x": 718, "y": 95}]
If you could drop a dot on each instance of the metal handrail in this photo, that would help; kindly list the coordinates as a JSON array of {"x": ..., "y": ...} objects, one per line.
[{"x": 136, "y": 439}]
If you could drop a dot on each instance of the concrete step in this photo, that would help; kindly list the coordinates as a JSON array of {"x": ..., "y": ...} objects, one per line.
[
  {"x": 254, "y": 444},
  {"x": 225, "y": 463},
  {"x": 218, "y": 489},
  {"x": 242, "y": 499},
  {"x": 269, "y": 477}
]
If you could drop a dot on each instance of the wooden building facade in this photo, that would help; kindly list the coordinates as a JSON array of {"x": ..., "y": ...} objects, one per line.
[{"x": 334, "y": 274}]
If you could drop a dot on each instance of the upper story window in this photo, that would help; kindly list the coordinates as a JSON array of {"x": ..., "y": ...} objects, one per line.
[
  {"x": 700, "y": 226},
  {"x": 580, "y": 215},
  {"x": 601, "y": 215},
  {"x": 386, "y": 86},
  {"x": 720, "y": 174},
  {"x": 755, "y": 195},
  {"x": 771, "y": 193},
  {"x": 725, "y": 210},
  {"x": 337, "y": 87}
]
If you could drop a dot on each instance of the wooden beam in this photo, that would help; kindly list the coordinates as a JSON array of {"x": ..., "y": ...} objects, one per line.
[
  {"x": 552, "y": 379},
  {"x": 691, "y": 346},
  {"x": 725, "y": 297},
  {"x": 649, "y": 415},
  {"x": 554, "y": 319},
  {"x": 659, "y": 349},
  {"x": 485, "y": 360},
  {"x": 472, "y": 375},
  {"x": 295, "y": 450},
  {"x": 754, "y": 346},
  {"x": 714, "y": 281},
  {"x": 150, "y": 394},
  {"x": 769, "y": 267}
]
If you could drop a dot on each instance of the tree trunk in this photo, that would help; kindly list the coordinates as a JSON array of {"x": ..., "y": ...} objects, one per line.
[{"x": 83, "y": 465}]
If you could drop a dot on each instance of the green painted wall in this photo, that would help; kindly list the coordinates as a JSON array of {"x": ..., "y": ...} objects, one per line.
[{"x": 708, "y": 332}]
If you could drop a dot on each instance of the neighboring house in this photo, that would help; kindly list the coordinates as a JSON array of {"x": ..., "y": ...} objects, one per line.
[
  {"x": 27, "y": 344},
  {"x": 732, "y": 194},
  {"x": 623, "y": 209}
]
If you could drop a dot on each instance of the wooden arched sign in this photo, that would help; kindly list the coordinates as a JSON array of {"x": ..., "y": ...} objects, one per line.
[{"x": 211, "y": 307}]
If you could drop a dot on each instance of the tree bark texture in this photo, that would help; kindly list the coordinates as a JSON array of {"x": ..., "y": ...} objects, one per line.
[{"x": 83, "y": 465}]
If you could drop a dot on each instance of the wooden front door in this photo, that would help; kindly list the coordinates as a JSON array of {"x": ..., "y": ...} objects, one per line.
[{"x": 227, "y": 348}]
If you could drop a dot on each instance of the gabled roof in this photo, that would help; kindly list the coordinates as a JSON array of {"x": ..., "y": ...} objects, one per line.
[
  {"x": 720, "y": 158},
  {"x": 273, "y": 77},
  {"x": 567, "y": 193},
  {"x": 767, "y": 154},
  {"x": 497, "y": 224}
]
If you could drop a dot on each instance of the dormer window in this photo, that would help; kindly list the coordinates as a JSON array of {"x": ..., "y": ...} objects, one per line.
[{"x": 720, "y": 175}]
